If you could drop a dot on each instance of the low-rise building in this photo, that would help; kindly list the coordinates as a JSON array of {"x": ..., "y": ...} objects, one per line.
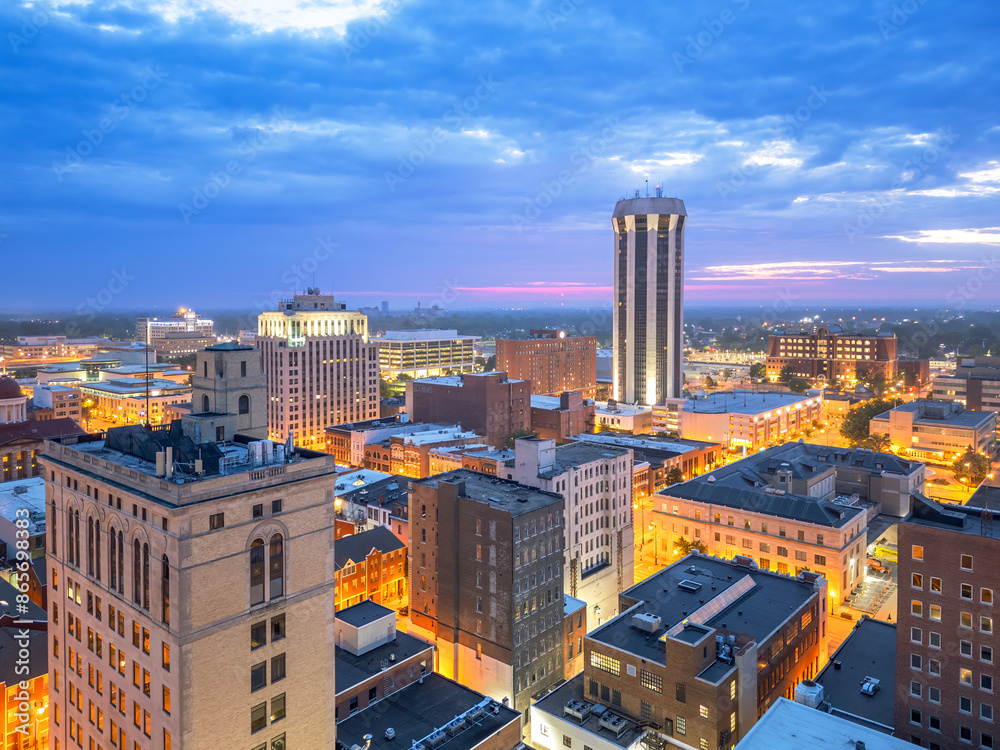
[
  {"x": 409, "y": 454},
  {"x": 975, "y": 383},
  {"x": 788, "y": 725},
  {"x": 22, "y": 500},
  {"x": 176, "y": 345},
  {"x": 477, "y": 457},
  {"x": 936, "y": 431},
  {"x": 559, "y": 417},
  {"x": 58, "y": 401},
  {"x": 782, "y": 511},
  {"x": 749, "y": 419},
  {"x": 574, "y": 628},
  {"x": 21, "y": 439},
  {"x": 370, "y": 498},
  {"x": 347, "y": 441},
  {"x": 370, "y": 565},
  {"x": 24, "y": 672},
  {"x": 612, "y": 416},
  {"x": 699, "y": 652},
  {"x": 373, "y": 658},
  {"x": 425, "y": 352},
  {"x": 829, "y": 353},
  {"x": 125, "y": 401}
]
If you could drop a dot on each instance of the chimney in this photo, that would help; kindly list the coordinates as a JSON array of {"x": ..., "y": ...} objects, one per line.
[
  {"x": 169, "y": 467},
  {"x": 160, "y": 464}
]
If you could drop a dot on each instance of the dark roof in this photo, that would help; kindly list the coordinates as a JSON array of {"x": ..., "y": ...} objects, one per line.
[
  {"x": 962, "y": 519},
  {"x": 741, "y": 493},
  {"x": 573, "y": 689},
  {"x": 143, "y": 443},
  {"x": 363, "y": 612},
  {"x": 759, "y": 602},
  {"x": 508, "y": 495},
  {"x": 9, "y": 388},
  {"x": 357, "y": 547},
  {"x": 352, "y": 669},
  {"x": 38, "y": 649},
  {"x": 985, "y": 497},
  {"x": 869, "y": 651},
  {"x": 420, "y": 709},
  {"x": 48, "y": 429},
  {"x": 384, "y": 491},
  {"x": 228, "y": 346}
]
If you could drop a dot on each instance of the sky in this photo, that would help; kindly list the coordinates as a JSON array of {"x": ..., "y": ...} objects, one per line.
[{"x": 225, "y": 153}]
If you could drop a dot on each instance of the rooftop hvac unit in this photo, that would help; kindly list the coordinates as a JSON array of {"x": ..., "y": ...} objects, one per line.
[
  {"x": 434, "y": 739},
  {"x": 613, "y": 723},
  {"x": 578, "y": 709},
  {"x": 809, "y": 693},
  {"x": 646, "y": 622}
]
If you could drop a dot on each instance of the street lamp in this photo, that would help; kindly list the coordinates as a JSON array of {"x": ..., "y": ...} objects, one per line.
[{"x": 656, "y": 551}]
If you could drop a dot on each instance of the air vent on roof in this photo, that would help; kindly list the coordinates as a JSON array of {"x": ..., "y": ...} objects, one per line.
[
  {"x": 613, "y": 723},
  {"x": 646, "y": 622},
  {"x": 578, "y": 709},
  {"x": 688, "y": 585}
]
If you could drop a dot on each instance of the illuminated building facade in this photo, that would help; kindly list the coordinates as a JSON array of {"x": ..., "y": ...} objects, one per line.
[
  {"x": 184, "y": 322},
  {"x": 422, "y": 353},
  {"x": 322, "y": 369},
  {"x": 827, "y": 352},
  {"x": 553, "y": 361},
  {"x": 648, "y": 321}
]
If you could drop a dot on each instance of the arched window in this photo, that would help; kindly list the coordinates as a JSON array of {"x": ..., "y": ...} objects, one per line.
[
  {"x": 55, "y": 538},
  {"x": 257, "y": 572},
  {"x": 204, "y": 403},
  {"x": 277, "y": 566},
  {"x": 76, "y": 533},
  {"x": 121, "y": 563},
  {"x": 90, "y": 546},
  {"x": 137, "y": 572},
  {"x": 145, "y": 576},
  {"x": 97, "y": 549},
  {"x": 113, "y": 561},
  {"x": 70, "y": 545},
  {"x": 244, "y": 404},
  {"x": 165, "y": 588}
]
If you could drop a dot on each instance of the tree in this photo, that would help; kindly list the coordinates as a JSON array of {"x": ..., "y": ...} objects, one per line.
[
  {"x": 877, "y": 443},
  {"x": 909, "y": 378},
  {"x": 726, "y": 373},
  {"x": 508, "y": 442},
  {"x": 685, "y": 546},
  {"x": 798, "y": 385},
  {"x": 786, "y": 374},
  {"x": 674, "y": 476},
  {"x": 758, "y": 371},
  {"x": 709, "y": 383},
  {"x": 491, "y": 364},
  {"x": 384, "y": 389},
  {"x": 855, "y": 427},
  {"x": 971, "y": 466}
]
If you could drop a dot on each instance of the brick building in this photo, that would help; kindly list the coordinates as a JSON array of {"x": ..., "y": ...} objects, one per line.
[
  {"x": 184, "y": 562},
  {"x": 828, "y": 352},
  {"x": 553, "y": 361},
  {"x": 946, "y": 665},
  {"x": 486, "y": 582},
  {"x": 370, "y": 565},
  {"x": 699, "y": 652},
  {"x": 490, "y": 403},
  {"x": 410, "y": 455},
  {"x": 560, "y": 417}
]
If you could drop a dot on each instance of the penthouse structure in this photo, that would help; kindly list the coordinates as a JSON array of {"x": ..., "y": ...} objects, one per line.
[
  {"x": 648, "y": 320},
  {"x": 423, "y": 352},
  {"x": 596, "y": 483},
  {"x": 828, "y": 353},
  {"x": 945, "y": 646},
  {"x": 229, "y": 379},
  {"x": 938, "y": 431},
  {"x": 490, "y": 403},
  {"x": 560, "y": 417},
  {"x": 553, "y": 361},
  {"x": 321, "y": 367},
  {"x": 699, "y": 652},
  {"x": 181, "y": 561},
  {"x": 486, "y": 582}
]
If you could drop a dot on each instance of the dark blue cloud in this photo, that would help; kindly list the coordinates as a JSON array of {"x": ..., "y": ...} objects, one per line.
[{"x": 486, "y": 144}]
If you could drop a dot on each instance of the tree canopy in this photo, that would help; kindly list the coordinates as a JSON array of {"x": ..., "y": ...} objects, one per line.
[
  {"x": 971, "y": 466},
  {"x": 855, "y": 428}
]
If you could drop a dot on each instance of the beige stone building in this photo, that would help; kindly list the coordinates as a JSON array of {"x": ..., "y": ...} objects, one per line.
[
  {"x": 322, "y": 369},
  {"x": 191, "y": 600}
]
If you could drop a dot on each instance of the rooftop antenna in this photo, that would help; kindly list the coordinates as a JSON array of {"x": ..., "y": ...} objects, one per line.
[{"x": 647, "y": 187}]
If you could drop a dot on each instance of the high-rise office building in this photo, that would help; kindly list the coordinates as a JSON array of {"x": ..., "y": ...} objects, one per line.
[
  {"x": 553, "y": 361},
  {"x": 184, "y": 321},
  {"x": 191, "y": 591},
  {"x": 321, "y": 367},
  {"x": 649, "y": 299}
]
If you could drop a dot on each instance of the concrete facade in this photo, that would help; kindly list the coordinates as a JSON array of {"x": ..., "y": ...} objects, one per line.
[{"x": 229, "y": 379}]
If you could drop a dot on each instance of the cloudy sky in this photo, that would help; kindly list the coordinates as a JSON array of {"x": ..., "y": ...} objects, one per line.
[{"x": 222, "y": 152}]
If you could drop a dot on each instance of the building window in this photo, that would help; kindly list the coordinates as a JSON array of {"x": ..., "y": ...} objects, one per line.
[
  {"x": 965, "y": 676},
  {"x": 258, "y": 717},
  {"x": 966, "y": 591},
  {"x": 680, "y": 692},
  {"x": 916, "y": 635},
  {"x": 986, "y": 624},
  {"x": 917, "y": 552},
  {"x": 165, "y": 588},
  {"x": 605, "y": 663},
  {"x": 915, "y": 717},
  {"x": 917, "y": 580},
  {"x": 257, "y": 572},
  {"x": 258, "y": 676},
  {"x": 681, "y": 725},
  {"x": 277, "y": 708},
  {"x": 916, "y": 608},
  {"x": 965, "y": 705},
  {"x": 966, "y": 562},
  {"x": 244, "y": 404},
  {"x": 258, "y": 635},
  {"x": 915, "y": 689},
  {"x": 137, "y": 572},
  {"x": 567, "y": 741},
  {"x": 277, "y": 566},
  {"x": 216, "y": 521},
  {"x": 986, "y": 596},
  {"x": 651, "y": 681},
  {"x": 645, "y": 710},
  {"x": 703, "y": 711},
  {"x": 935, "y": 613},
  {"x": 936, "y": 585}
]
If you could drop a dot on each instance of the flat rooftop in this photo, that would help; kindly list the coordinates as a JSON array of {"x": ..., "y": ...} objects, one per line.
[
  {"x": 649, "y": 443},
  {"x": 792, "y": 726},
  {"x": 364, "y": 612},
  {"x": 355, "y": 480},
  {"x": 352, "y": 670},
  {"x": 20, "y": 494},
  {"x": 961, "y": 519},
  {"x": 745, "y": 402},
  {"x": 436, "y": 436},
  {"x": 516, "y": 499},
  {"x": 135, "y": 387},
  {"x": 941, "y": 414},
  {"x": 743, "y": 600},
  {"x": 571, "y": 455},
  {"x": 38, "y": 657},
  {"x": 417, "y": 710},
  {"x": 869, "y": 651},
  {"x": 625, "y": 410},
  {"x": 573, "y": 689},
  {"x": 424, "y": 334}
]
